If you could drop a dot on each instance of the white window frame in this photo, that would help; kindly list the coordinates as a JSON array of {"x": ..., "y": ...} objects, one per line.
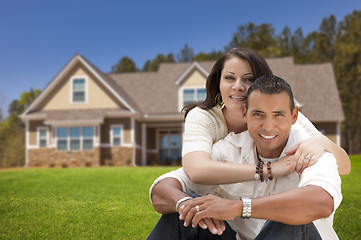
[
  {"x": 121, "y": 135},
  {"x": 85, "y": 138},
  {"x": 38, "y": 129},
  {"x": 81, "y": 138},
  {"x": 181, "y": 95},
  {"x": 67, "y": 139},
  {"x": 85, "y": 89}
]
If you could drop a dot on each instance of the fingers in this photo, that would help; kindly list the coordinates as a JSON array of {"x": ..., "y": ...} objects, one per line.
[
  {"x": 211, "y": 225},
  {"x": 219, "y": 224},
  {"x": 304, "y": 164},
  {"x": 203, "y": 224}
]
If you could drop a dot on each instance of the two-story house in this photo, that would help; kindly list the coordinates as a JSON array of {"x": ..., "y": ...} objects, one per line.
[{"x": 84, "y": 117}]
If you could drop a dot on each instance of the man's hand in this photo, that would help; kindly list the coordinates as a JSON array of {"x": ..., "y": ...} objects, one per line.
[
  {"x": 214, "y": 226},
  {"x": 210, "y": 206}
]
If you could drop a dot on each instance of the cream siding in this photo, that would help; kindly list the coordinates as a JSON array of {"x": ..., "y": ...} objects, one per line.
[
  {"x": 96, "y": 95},
  {"x": 195, "y": 79}
]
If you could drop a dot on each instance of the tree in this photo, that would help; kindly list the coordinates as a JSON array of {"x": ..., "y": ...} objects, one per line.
[
  {"x": 348, "y": 74},
  {"x": 297, "y": 45},
  {"x": 125, "y": 64},
  {"x": 212, "y": 56},
  {"x": 319, "y": 45},
  {"x": 259, "y": 38},
  {"x": 284, "y": 41},
  {"x": 154, "y": 65},
  {"x": 185, "y": 54},
  {"x": 12, "y": 134}
]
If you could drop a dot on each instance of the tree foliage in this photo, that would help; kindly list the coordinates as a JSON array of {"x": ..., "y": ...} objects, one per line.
[
  {"x": 347, "y": 64},
  {"x": 125, "y": 64},
  {"x": 152, "y": 66},
  {"x": 186, "y": 54},
  {"x": 12, "y": 131}
]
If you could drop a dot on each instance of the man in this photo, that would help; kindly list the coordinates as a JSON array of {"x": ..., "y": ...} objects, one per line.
[{"x": 297, "y": 199}]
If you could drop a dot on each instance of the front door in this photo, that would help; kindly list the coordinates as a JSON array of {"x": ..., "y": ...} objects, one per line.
[{"x": 169, "y": 146}]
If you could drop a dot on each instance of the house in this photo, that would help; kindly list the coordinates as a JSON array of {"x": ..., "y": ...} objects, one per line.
[{"x": 84, "y": 117}]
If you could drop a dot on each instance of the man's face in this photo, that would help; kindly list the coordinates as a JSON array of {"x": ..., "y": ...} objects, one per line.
[{"x": 269, "y": 120}]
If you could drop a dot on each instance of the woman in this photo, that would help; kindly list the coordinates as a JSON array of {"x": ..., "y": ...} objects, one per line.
[{"x": 222, "y": 113}]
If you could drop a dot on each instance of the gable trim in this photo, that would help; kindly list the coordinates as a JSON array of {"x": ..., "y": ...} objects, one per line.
[
  {"x": 53, "y": 83},
  {"x": 194, "y": 65},
  {"x": 106, "y": 84}
]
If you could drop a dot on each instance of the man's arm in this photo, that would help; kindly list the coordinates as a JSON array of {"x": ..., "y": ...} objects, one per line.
[
  {"x": 294, "y": 207},
  {"x": 166, "y": 194}
]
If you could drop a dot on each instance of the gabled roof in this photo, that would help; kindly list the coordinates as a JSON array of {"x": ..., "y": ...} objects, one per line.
[
  {"x": 155, "y": 94},
  {"x": 107, "y": 82},
  {"x": 314, "y": 87},
  {"x": 190, "y": 69}
]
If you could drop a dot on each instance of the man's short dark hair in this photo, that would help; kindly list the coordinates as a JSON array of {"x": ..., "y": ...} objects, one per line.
[{"x": 270, "y": 84}]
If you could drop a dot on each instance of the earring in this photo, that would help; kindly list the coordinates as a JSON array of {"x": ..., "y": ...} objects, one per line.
[{"x": 219, "y": 101}]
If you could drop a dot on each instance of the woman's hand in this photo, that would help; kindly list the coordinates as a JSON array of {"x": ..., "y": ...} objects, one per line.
[
  {"x": 282, "y": 167},
  {"x": 308, "y": 151}
]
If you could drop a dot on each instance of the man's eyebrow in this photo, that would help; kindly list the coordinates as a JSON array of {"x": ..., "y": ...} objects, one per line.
[
  {"x": 256, "y": 111},
  {"x": 279, "y": 111}
]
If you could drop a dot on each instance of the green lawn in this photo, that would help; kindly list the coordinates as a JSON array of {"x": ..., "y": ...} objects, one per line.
[{"x": 110, "y": 203}]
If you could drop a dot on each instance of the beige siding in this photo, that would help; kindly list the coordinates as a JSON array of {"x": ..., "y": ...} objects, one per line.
[
  {"x": 195, "y": 79},
  {"x": 96, "y": 95},
  {"x": 105, "y": 129},
  {"x": 33, "y": 134}
]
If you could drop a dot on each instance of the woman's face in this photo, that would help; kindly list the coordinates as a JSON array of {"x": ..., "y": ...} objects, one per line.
[{"x": 236, "y": 78}]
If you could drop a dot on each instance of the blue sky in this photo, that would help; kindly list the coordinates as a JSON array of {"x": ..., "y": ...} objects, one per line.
[{"x": 38, "y": 37}]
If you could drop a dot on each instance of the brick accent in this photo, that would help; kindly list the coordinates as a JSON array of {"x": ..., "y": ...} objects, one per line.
[
  {"x": 50, "y": 157},
  {"x": 117, "y": 156},
  {"x": 110, "y": 156}
]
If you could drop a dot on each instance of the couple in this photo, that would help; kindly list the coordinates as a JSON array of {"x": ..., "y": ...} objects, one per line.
[{"x": 235, "y": 72}]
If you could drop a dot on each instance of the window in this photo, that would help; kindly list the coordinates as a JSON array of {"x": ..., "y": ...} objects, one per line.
[
  {"x": 43, "y": 137},
  {"x": 78, "y": 90},
  {"x": 75, "y": 138},
  {"x": 191, "y": 95},
  {"x": 88, "y": 133},
  {"x": 169, "y": 145},
  {"x": 62, "y": 136},
  {"x": 116, "y": 135}
]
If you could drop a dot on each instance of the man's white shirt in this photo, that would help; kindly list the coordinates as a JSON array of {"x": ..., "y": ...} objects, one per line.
[{"x": 240, "y": 149}]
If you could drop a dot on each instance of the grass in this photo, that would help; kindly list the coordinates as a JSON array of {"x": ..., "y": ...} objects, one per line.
[{"x": 111, "y": 203}]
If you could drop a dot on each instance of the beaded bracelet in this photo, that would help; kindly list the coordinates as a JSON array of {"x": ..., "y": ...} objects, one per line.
[
  {"x": 259, "y": 171},
  {"x": 269, "y": 171}
]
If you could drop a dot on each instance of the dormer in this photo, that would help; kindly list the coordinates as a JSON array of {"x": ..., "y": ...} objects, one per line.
[{"x": 192, "y": 85}]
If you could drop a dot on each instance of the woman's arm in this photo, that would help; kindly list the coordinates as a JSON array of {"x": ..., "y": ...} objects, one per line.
[
  {"x": 201, "y": 169},
  {"x": 314, "y": 148},
  {"x": 316, "y": 145}
]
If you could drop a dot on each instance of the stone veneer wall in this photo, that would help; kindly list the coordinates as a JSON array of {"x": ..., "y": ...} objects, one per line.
[
  {"x": 50, "y": 157},
  {"x": 117, "y": 156}
]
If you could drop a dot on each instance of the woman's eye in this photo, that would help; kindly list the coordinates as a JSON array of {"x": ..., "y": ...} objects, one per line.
[{"x": 229, "y": 77}]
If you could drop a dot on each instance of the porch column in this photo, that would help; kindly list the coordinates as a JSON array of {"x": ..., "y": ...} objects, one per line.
[{"x": 144, "y": 144}]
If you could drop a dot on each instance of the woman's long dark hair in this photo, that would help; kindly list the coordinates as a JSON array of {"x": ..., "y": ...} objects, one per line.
[{"x": 258, "y": 65}]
